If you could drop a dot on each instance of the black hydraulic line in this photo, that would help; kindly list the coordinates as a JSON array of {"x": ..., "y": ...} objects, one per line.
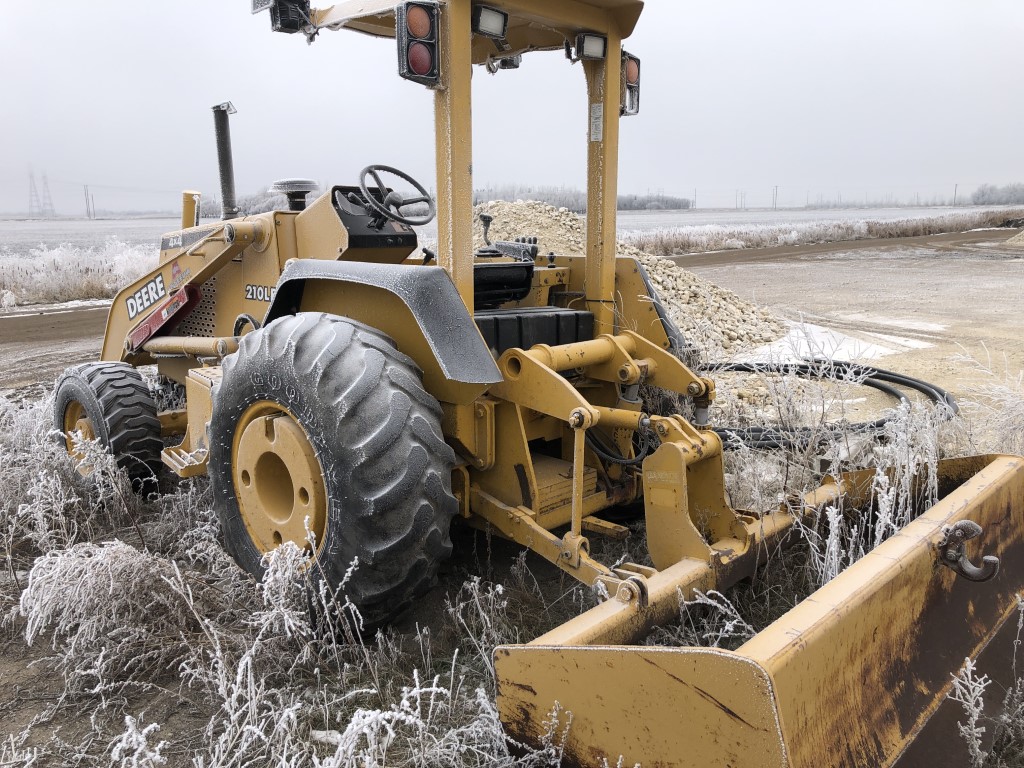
[
  {"x": 800, "y": 437},
  {"x": 609, "y": 455},
  {"x": 934, "y": 393},
  {"x": 778, "y": 438},
  {"x": 241, "y": 321}
]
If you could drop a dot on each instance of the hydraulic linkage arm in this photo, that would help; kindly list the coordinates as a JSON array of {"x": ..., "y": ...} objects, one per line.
[{"x": 163, "y": 297}]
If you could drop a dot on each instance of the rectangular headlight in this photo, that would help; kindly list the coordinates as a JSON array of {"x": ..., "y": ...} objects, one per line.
[
  {"x": 490, "y": 22},
  {"x": 591, "y": 46}
]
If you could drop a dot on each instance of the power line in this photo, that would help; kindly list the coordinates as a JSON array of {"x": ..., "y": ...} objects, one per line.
[{"x": 120, "y": 188}]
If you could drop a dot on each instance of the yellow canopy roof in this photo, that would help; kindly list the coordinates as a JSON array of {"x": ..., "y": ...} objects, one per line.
[{"x": 533, "y": 24}]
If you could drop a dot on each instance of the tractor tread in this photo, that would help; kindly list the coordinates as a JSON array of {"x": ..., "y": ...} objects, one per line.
[
  {"x": 365, "y": 411},
  {"x": 119, "y": 404}
]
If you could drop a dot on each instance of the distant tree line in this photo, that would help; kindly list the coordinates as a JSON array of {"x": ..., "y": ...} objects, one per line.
[
  {"x": 258, "y": 202},
  {"x": 989, "y": 194},
  {"x": 575, "y": 199}
]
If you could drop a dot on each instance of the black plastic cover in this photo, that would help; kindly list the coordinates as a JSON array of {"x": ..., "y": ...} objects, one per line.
[
  {"x": 522, "y": 328},
  {"x": 360, "y": 223},
  {"x": 498, "y": 282}
]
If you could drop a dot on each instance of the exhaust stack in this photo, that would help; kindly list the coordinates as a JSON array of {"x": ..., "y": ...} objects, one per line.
[{"x": 227, "y": 170}]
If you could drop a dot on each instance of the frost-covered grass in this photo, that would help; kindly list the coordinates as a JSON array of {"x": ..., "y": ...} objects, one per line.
[
  {"x": 57, "y": 273},
  {"x": 138, "y": 609},
  {"x": 158, "y": 650},
  {"x": 712, "y": 237},
  {"x": 904, "y": 483}
]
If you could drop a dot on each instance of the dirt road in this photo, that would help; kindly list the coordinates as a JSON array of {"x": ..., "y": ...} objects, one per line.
[
  {"x": 936, "y": 301},
  {"x": 931, "y": 299},
  {"x": 950, "y": 241},
  {"x": 37, "y": 343}
]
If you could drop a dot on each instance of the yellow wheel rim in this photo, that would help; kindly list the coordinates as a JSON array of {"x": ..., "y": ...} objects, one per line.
[
  {"x": 278, "y": 480},
  {"x": 75, "y": 420}
]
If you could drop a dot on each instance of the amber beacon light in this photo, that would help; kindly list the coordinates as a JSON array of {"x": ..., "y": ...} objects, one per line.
[
  {"x": 416, "y": 31},
  {"x": 630, "y": 84}
]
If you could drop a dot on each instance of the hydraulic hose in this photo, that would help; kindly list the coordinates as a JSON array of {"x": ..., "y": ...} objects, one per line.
[
  {"x": 614, "y": 457},
  {"x": 774, "y": 438}
]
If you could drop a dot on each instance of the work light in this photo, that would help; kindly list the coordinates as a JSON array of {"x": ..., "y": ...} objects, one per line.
[
  {"x": 591, "y": 46},
  {"x": 490, "y": 22},
  {"x": 285, "y": 15},
  {"x": 416, "y": 32}
]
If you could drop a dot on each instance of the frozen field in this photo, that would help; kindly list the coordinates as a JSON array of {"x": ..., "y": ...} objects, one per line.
[
  {"x": 20, "y": 235},
  {"x": 78, "y": 259},
  {"x": 648, "y": 221},
  {"x": 645, "y": 221}
]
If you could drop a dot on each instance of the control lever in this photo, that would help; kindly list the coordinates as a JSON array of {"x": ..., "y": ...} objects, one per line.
[
  {"x": 486, "y": 219},
  {"x": 378, "y": 221}
]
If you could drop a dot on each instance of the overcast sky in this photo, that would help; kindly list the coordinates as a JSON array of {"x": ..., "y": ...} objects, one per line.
[{"x": 863, "y": 99}]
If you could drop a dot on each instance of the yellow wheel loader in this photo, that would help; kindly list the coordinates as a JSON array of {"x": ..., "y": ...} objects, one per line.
[{"x": 352, "y": 395}]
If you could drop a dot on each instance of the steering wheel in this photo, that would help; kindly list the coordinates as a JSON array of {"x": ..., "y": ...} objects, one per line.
[{"x": 391, "y": 207}]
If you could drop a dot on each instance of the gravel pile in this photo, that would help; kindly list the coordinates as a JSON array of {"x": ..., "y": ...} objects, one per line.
[
  {"x": 1017, "y": 241},
  {"x": 712, "y": 318}
]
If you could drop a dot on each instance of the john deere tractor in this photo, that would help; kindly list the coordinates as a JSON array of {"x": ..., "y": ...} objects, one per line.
[{"x": 354, "y": 395}]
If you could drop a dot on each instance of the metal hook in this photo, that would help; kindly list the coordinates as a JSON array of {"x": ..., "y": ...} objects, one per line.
[{"x": 952, "y": 554}]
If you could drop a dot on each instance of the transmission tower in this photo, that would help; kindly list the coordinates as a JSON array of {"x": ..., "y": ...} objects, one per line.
[
  {"x": 39, "y": 206},
  {"x": 35, "y": 208},
  {"x": 48, "y": 212}
]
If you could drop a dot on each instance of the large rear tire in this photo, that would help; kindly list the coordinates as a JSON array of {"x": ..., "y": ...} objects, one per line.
[
  {"x": 111, "y": 402},
  {"x": 320, "y": 423}
]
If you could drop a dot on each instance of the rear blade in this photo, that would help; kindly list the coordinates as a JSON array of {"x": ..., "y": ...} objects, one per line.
[{"x": 849, "y": 677}]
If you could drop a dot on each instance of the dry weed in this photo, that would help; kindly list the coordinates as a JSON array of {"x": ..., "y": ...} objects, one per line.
[
  {"x": 67, "y": 272},
  {"x": 137, "y": 603}
]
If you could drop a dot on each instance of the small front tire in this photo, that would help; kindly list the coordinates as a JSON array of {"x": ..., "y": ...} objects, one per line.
[{"x": 110, "y": 402}]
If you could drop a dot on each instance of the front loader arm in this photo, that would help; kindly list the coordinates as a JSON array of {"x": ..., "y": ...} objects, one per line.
[{"x": 162, "y": 297}]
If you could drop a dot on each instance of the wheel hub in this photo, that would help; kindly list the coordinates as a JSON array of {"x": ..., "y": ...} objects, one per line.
[
  {"x": 75, "y": 420},
  {"x": 278, "y": 480}
]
